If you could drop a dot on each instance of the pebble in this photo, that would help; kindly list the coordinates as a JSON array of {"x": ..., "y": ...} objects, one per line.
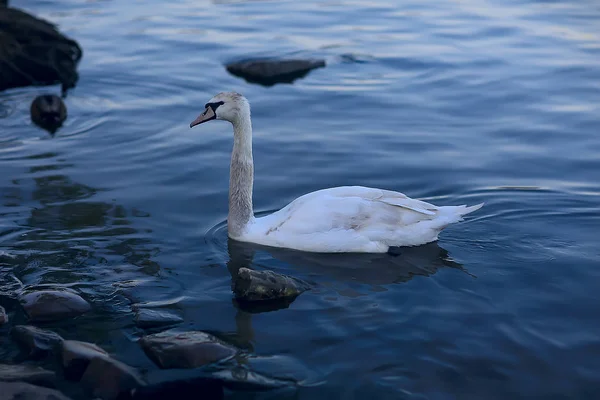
[
  {"x": 49, "y": 305},
  {"x": 251, "y": 285},
  {"x": 193, "y": 349},
  {"x": 146, "y": 318}
]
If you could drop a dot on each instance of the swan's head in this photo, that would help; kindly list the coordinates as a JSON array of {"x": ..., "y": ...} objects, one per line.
[{"x": 228, "y": 106}]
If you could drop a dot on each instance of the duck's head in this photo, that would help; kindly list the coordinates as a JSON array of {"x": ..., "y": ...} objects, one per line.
[{"x": 228, "y": 106}]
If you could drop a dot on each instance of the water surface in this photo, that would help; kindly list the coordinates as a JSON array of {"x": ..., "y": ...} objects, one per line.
[{"x": 451, "y": 102}]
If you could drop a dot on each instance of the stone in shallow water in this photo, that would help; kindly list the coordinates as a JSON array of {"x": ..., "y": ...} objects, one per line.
[
  {"x": 47, "y": 305},
  {"x": 185, "y": 349},
  {"x": 76, "y": 357},
  {"x": 35, "y": 340},
  {"x": 250, "y": 285},
  {"x": 268, "y": 72},
  {"x": 26, "y": 373},
  {"x": 180, "y": 389},
  {"x": 26, "y": 391},
  {"x": 145, "y": 318},
  {"x": 3, "y": 316},
  {"x": 106, "y": 378}
]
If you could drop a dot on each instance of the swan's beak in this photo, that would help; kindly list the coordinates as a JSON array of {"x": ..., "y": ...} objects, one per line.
[{"x": 207, "y": 115}]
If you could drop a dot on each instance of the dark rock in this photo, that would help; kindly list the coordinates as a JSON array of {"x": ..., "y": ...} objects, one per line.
[
  {"x": 26, "y": 391},
  {"x": 185, "y": 349},
  {"x": 268, "y": 72},
  {"x": 48, "y": 111},
  {"x": 181, "y": 389},
  {"x": 27, "y": 373},
  {"x": 106, "y": 378},
  {"x": 35, "y": 340},
  {"x": 250, "y": 285},
  {"x": 146, "y": 318},
  {"x": 242, "y": 378},
  {"x": 50, "y": 305},
  {"x": 3, "y": 316},
  {"x": 34, "y": 52},
  {"x": 76, "y": 357}
]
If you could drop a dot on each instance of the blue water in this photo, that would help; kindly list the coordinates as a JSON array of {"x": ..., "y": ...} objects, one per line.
[{"x": 452, "y": 102}]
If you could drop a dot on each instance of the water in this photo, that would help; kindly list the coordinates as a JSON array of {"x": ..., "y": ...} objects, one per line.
[{"x": 451, "y": 102}]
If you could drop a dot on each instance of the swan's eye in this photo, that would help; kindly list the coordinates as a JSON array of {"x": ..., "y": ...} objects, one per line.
[{"x": 214, "y": 106}]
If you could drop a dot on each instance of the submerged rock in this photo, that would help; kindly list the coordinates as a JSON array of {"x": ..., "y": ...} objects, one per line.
[
  {"x": 180, "y": 389},
  {"x": 185, "y": 349},
  {"x": 34, "y": 52},
  {"x": 26, "y": 373},
  {"x": 47, "y": 305},
  {"x": 76, "y": 356},
  {"x": 250, "y": 285},
  {"x": 35, "y": 340},
  {"x": 106, "y": 378},
  {"x": 48, "y": 111},
  {"x": 3, "y": 316},
  {"x": 242, "y": 378},
  {"x": 146, "y": 318},
  {"x": 26, "y": 391},
  {"x": 268, "y": 72}
]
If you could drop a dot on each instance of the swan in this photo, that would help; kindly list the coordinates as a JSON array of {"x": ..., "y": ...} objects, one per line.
[{"x": 346, "y": 219}]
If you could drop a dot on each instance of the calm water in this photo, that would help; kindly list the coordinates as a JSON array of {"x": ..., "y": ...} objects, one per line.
[{"x": 453, "y": 102}]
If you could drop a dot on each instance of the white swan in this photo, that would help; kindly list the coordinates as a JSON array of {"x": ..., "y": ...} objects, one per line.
[{"x": 341, "y": 219}]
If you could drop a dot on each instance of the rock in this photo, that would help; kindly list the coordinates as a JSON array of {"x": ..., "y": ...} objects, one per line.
[
  {"x": 185, "y": 349},
  {"x": 146, "y": 318},
  {"x": 26, "y": 391},
  {"x": 34, "y": 52},
  {"x": 181, "y": 389},
  {"x": 76, "y": 356},
  {"x": 268, "y": 72},
  {"x": 27, "y": 373},
  {"x": 47, "y": 305},
  {"x": 242, "y": 378},
  {"x": 37, "y": 341},
  {"x": 48, "y": 112},
  {"x": 250, "y": 285},
  {"x": 106, "y": 378},
  {"x": 3, "y": 316}
]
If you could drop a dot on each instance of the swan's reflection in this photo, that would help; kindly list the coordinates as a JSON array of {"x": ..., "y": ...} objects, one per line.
[{"x": 368, "y": 269}]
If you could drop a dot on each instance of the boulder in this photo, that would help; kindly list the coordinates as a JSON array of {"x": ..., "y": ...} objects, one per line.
[
  {"x": 76, "y": 356},
  {"x": 48, "y": 305},
  {"x": 26, "y": 391},
  {"x": 35, "y": 340},
  {"x": 269, "y": 72},
  {"x": 194, "y": 349},
  {"x": 250, "y": 285},
  {"x": 146, "y": 318},
  {"x": 106, "y": 378}
]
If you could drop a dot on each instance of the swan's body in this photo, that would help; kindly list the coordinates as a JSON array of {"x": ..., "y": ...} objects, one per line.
[{"x": 341, "y": 219}]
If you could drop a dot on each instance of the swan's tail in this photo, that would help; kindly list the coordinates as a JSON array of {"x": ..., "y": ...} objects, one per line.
[
  {"x": 464, "y": 210},
  {"x": 450, "y": 214}
]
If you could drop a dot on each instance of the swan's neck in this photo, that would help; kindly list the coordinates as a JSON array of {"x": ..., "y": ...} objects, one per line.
[{"x": 241, "y": 177}]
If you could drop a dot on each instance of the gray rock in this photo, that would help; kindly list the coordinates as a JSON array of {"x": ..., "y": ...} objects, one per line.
[
  {"x": 185, "y": 349},
  {"x": 106, "y": 378},
  {"x": 26, "y": 391},
  {"x": 37, "y": 341},
  {"x": 250, "y": 285},
  {"x": 3, "y": 316},
  {"x": 268, "y": 72},
  {"x": 241, "y": 378},
  {"x": 76, "y": 356},
  {"x": 146, "y": 318},
  {"x": 47, "y": 305},
  {"x": 27, "y": 373}
]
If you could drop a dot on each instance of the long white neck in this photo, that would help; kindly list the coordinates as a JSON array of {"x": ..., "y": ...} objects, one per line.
[{"x": 241, "y": 177}]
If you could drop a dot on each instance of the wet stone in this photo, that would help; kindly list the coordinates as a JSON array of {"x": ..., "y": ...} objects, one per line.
[
  {"x": 3, "y": 316},
  {"x": 26, "y": 391},
  {"x": 26, "y": 373},
  {"x": 106, "y": 378},
  {"x": 181, "y": 389},
  {"x": 250, "y": 285},
  {"x": 48, "y": 305},
  {"x": 35, "y": 340},
  {"x": 268, "y": 72},
  {"x": 241, "y": 378},
  {"x": 146, "y": 318},
  {"x": 185, "y": 349},
  {"x": 76, "y": 357}
]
